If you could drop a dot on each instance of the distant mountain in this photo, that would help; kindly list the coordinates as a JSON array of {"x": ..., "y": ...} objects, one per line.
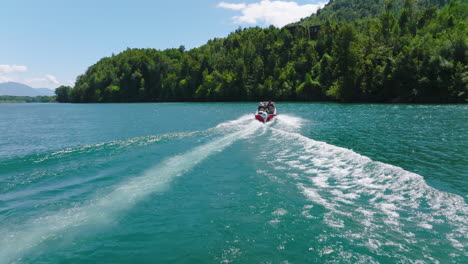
[{"x": 19, "y": 89}]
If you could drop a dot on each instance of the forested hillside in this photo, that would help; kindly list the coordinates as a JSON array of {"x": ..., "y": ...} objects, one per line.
[
  {"x": 350, "y": 10},
  {"x": 365, "y": 51}
]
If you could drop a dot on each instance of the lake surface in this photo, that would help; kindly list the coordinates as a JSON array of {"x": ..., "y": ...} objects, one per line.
[{"x": 206, "y": 183}]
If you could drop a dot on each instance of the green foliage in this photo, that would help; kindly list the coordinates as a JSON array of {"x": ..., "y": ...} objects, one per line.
[
  {"x": 366, "y": 50},
  {"x": 309, "y": 90},
  {"x": 63, "y": 94},
  {"x": 352, "y": 10},
  {"x": 26, "y": 99}
]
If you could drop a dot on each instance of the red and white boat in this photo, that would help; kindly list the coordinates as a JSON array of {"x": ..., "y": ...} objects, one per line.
[{"x": 266, "y": 111}]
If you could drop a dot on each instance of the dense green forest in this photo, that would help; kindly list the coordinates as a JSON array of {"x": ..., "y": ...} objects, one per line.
[
  {"x": 365, "y": 51},
  {"x": 27, "y": 99},
  {"x": 350, "y": 10}
]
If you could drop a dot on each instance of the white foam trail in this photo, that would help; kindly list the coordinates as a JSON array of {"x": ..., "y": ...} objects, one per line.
[
  {"x": 101, "y": 210},
  {"x": 288, "y": 123},
  {"x": 116, "y": 144},
  {"x": 112, "y": 148},
  {"x": 229, "y": 125},
  {"x": 379, "y": 197}
]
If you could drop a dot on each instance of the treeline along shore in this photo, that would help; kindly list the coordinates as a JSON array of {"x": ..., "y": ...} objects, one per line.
[
  {"x": 27, "y": 99},
  {"x": 350, "y": 51}
]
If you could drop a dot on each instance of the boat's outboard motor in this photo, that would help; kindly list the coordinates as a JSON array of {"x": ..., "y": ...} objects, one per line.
[{"x": 264, "y": 116}]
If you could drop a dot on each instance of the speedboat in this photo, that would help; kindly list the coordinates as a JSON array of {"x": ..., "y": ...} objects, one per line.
[{"x": 266, "y": 111}]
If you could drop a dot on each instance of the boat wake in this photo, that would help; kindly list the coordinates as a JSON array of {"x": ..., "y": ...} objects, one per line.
[
  {"x": 370, "y": 204},
  {"x": 17, "y": 240},
  {"x": 380, "y": 208}
]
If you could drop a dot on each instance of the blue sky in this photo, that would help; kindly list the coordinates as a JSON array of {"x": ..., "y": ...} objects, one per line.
[{"x": 47, "y": 43}]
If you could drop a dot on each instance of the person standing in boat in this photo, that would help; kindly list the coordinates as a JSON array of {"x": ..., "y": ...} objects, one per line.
[{"x": 270, "y": 107}]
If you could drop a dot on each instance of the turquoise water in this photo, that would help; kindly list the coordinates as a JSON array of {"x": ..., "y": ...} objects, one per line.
[{"x": 205, "y": 183}]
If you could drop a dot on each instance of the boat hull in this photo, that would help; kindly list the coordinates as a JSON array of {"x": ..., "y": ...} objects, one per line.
[{"x": 263, "y": 120}]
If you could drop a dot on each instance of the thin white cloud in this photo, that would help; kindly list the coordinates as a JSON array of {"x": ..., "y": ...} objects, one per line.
[
  {"x": 5, "y": 68},
  {"x": 232, "y": 6},
  {"x": 52, "y": 79},
  {"x": 277, "y": 13},
  {"x": 48, "y": 81},
  {"x": 16, "y": 73},
  {"x": 4, "y": 79}
]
